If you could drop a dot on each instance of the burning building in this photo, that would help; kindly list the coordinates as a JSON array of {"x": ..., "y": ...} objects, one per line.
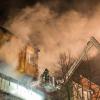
[
  {"x": 28, "y": 61},
  {"x": 15, "y": 83}
]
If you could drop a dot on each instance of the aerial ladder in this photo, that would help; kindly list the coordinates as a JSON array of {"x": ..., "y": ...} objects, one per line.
[{"x": 91, "y": 43}]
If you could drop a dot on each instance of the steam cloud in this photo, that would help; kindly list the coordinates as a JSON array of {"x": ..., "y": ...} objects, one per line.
[{"x": 54, "y": 33}]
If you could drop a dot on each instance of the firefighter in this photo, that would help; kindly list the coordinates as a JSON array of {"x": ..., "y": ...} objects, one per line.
[{"x": 45, "y": 76}]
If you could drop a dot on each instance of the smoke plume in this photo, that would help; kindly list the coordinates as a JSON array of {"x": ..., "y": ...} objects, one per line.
[{"x": 55, "y": 26}]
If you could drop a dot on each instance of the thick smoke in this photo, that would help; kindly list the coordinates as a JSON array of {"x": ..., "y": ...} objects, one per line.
[
  {"x": 54, "y": 34},
  {"x": 9, "y": 52}
]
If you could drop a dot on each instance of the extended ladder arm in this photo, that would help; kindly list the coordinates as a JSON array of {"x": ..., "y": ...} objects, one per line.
[
  {"x": 92, "y": 42},
  {"x": 95, "y": 43}
]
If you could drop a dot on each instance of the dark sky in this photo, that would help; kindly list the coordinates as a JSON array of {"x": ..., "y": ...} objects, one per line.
[{"x": 7, "y": 7}]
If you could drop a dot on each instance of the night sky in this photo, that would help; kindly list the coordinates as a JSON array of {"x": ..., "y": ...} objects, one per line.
[{"x": 10, "y": 7}]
